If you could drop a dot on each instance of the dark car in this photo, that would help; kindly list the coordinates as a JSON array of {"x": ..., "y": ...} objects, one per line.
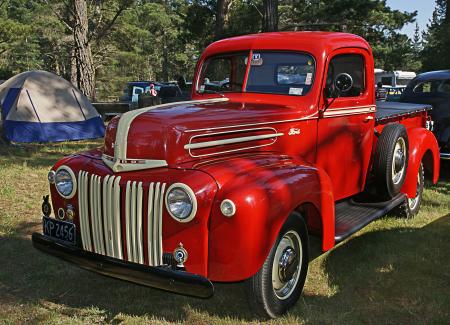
[{"x": 433, "y": 88}]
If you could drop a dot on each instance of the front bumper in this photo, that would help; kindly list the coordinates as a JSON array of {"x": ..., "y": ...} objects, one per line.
[{"x": 156, "y": 277}]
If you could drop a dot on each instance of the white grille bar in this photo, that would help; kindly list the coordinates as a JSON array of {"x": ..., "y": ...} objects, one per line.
[
  {"x": 98, "y": 191},
  {"x": 139, "y": 230},
  {"x": 93, "y": 213},
  {"x": 159, "y": 236},
  {"x": 128, "y": 220},
  {"x": 100, "y": 204},
  {"x": 106, "y": 214},
  {"x": 134, "y": 194},
  {"x": 116, "y": 207},
  {"x": 84, "y": 216},
  {"x": 150, "y": 213}
]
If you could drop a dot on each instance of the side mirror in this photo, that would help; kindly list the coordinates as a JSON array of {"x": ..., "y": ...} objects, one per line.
[{"x": 343, "y": 82}]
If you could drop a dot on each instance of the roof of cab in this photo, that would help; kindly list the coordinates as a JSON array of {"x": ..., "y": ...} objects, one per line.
[
  {"x": 312, "y": 42},
  {"x": 433, "y": 75}
]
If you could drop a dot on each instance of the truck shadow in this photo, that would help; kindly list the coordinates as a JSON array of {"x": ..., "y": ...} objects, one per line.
[
  {"x": 392, "y": 276},
  {"x": 31, "y": 277},
  {"x": 398, "y": 274}
]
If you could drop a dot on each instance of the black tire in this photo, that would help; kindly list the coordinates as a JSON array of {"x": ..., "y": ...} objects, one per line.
[
  {"x": 391, "y": 161},
  {"x": 262, "y": 293},
  {"x": 410, "y": 208}
]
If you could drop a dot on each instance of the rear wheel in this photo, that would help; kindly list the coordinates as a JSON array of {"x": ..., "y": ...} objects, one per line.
[
  {"x": 411, "y": 207},
  {"x": 391, "y": 161},
  {"x": 278, "y": 284}
]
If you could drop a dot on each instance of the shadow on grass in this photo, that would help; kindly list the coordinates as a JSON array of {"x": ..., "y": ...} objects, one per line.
[
  {"x": 392, "y": 276},
  {"x": 31, "y": 276},
  {"x": 42, "y": 155},
  {"x": 389, "y": 276},
  {"x": 443, "y": 185}
]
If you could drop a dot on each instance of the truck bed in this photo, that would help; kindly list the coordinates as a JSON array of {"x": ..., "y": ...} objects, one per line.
[{"x": 388, "y": 110}]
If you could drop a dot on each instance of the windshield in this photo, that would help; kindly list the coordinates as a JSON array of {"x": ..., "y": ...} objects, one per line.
[
  {"x": 223, "y": 73},
  {"x": 270, "y": 72}
]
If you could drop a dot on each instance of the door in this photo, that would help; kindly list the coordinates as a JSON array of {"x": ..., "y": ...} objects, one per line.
[{"x": 346, "y": 123}]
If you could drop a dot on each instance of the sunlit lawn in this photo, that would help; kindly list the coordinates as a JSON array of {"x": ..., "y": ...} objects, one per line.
[{"x": 394, "y": 271}]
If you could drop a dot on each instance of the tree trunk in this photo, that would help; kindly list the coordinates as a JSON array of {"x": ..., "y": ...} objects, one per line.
[
  {"x": 270, "y": 18},
  {"x": 221, "y": 13},
  {"x": 83, "y": 53},
  {"x": 73, "y": 68},
  {"x": 165, "y": 63}
]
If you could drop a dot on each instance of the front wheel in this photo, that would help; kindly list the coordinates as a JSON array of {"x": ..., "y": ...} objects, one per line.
[{"x": 278, "y": 284}]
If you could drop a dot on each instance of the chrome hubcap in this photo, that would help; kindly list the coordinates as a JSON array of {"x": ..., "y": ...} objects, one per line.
[
  {"x": 287, "y": 264},
  {"x": 398, "y": 164}
]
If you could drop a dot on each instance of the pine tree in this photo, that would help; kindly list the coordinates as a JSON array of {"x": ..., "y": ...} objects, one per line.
[
  {"x": 417, "y": 42},
  {"x": 436, "y": 39}
]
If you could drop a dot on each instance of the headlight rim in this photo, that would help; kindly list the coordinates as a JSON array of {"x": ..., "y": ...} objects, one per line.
[
  {"x": 192, "y": 196},
  {"x": 74, "y": 181},
  {"x": 233, "y": 207}
]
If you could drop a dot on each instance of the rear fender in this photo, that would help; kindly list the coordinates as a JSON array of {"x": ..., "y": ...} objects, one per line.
[
  {"x": 264, "y": 199},
  {"x": 423, "y": 147}
]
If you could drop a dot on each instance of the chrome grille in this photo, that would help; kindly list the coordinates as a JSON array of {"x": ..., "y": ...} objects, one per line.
[{"x": 101, "y": 211}]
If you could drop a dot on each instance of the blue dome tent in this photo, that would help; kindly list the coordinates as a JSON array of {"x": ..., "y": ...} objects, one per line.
[{"x": 38, "y": 106}]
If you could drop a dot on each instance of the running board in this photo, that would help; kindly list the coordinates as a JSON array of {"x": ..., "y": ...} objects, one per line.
[{"x": 352, "y": 216}]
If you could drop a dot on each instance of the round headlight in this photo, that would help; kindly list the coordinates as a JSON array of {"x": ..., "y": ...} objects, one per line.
[
  {"x": 181, "y": 202},
  {"x": 65, "y": 182}
]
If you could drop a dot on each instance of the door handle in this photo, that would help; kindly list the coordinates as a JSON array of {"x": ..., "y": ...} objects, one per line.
[{"x": 368, "y": 118}]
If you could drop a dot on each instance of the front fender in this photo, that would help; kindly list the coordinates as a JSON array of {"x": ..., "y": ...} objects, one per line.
[
  {"x": 264, "y": 198},
  {"x": 423, "y": 147}
]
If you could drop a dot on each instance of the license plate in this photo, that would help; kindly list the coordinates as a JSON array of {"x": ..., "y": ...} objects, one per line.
[{"x": 62, "y": 230}]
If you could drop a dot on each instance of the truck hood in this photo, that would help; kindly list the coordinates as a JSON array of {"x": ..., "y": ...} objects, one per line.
[{"x": 171, "y": 134}]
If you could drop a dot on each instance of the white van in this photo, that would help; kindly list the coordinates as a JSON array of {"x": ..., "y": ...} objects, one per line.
[{"x": 395, "y": 79}]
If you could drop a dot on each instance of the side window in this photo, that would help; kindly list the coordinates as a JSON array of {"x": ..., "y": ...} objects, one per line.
[
  {"x": 218, "y": 72},
  {"x": 354, "y": 65},
  {"x": 387, "y": 81},
  {"x": 444, "y": 87},
  {"x": 427, "y": 87}
]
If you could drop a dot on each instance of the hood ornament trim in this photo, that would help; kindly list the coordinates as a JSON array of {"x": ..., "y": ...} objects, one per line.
[
  {"x": 118, "y": 165},
  {"x": 120, "y": 162}
]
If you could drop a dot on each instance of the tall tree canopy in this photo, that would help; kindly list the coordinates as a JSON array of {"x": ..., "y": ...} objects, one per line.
[
  {"x": 437, "y": 38},
  {"x": 101, "y": 44}
]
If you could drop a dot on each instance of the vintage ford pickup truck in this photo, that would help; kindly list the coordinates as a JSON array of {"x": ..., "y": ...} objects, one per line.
[{"x": 282, "y": 142}]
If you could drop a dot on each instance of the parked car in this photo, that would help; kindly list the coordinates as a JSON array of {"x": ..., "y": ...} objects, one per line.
[
  {"x": 394, "y": 94},
  {"x": 168, "y": 92},
  {"x": 231, "y": 185},
  {"x": 433, "y": 88}
]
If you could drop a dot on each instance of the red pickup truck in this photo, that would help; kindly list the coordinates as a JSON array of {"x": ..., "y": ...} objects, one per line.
[{"x": 282, "y": 141}]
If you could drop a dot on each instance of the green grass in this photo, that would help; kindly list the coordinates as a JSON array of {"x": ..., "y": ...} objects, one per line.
[{"x": 393, "y": 271}]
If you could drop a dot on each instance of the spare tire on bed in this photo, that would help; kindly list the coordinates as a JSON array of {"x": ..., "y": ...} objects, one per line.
[{"x": 391, "y": 161}]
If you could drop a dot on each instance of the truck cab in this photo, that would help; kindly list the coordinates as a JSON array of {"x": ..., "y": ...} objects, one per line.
[{"x": 282, "y": 141}]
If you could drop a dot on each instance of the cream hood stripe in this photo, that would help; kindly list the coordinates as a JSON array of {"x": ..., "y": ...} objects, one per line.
[{"x": 120, "y": 146}]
